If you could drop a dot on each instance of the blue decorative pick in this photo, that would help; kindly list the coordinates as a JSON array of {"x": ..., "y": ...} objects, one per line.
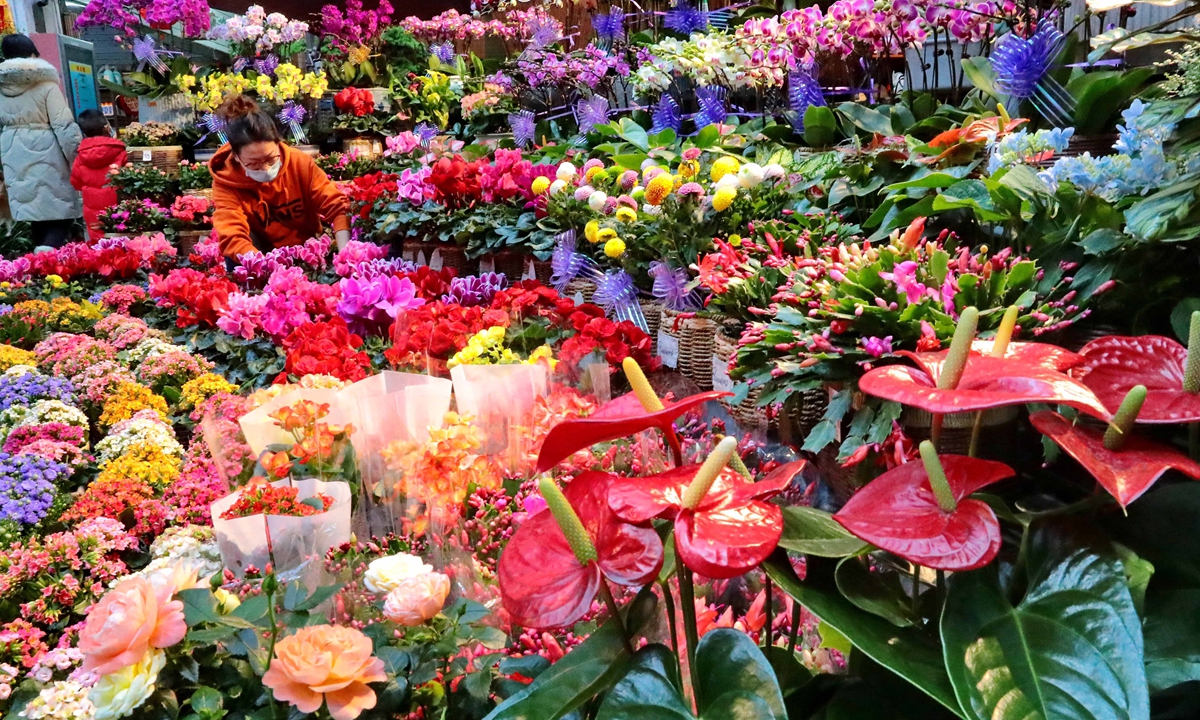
[
  {"x": 609, "y": 27},
  {"x": 1022, "y": 72},
  {"x": 666, "y": 115},
  {"x": 292, "y": 115},
  {"x": 591, "y": 112},
  {"x": 444, "y": 52},
  {"x": 212, "y": 123},
  {"x": 523, "y": 126},
  {"x": 685, "y": 18},
  {"x": 566, "y": 264},
  {"x": 711, "y": 99},
  {"x": 803, "y": 92}
]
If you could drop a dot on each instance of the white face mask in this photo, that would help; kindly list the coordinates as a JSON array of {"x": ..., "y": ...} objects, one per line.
[{"x": 265, "y": 176}]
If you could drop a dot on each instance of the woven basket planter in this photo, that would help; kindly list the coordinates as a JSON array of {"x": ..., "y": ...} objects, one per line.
[
  {"x": 543, "y": 269},
  {"x": 750, "y": 416},
  {"x": 512, "y": 264},
  {"x": 581, "y": 287},
  {"x": 165, "y": 157},
  {"x": 185, "y": 240},
  {"x": 205, "y": 193},
  {"x": 997, "y": 434},
  {"x": 652, "y": 310},
  {"x": 439, "y": 255},
  {"x": 696, "y": 338}
]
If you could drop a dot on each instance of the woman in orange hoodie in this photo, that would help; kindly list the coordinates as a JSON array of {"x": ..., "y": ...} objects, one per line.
[{"x": 265, "y": 193}]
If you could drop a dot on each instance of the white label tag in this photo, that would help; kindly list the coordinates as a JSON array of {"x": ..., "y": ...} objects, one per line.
[
  {"x": 668, "y": 349},
  {"x": 435, "y": 260},
  {"x": 421, "y": 258},
  {"x": 721, "y": 379},
  {"x": 530, "y": 271},
  {"x": 486, "y": 265},
  {"x": 147, "y": 155}
]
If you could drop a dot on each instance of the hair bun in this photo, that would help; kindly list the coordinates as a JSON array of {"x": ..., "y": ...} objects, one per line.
[{"x": 237, "y": 106}]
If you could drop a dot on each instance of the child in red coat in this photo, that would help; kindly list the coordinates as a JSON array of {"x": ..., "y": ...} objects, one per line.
[{"x": 98, "y": 152}]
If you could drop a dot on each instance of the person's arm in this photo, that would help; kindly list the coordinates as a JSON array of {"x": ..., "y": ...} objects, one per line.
[
  {"x": 62, "y": 122},
  {"x": 77, "y": 176},
  {"x": 332, "y": 205},
  {"x": 229, "y": 219}
]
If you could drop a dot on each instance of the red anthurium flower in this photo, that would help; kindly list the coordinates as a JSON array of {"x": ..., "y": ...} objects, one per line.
[
  {"x": 899, "y": 512},
  {"x": 1040, "y": 354},
  {"x": 617, "y": 418},
  {"x": 732, "y": 529},
  {"x": 542, "y": 582},
  {"x": 1124, "y": 473},
  {"x": 1112, "y": 365},
  {"x": 987, "y": 382}
]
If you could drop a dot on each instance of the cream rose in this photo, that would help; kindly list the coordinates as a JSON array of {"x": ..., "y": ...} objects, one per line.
[
  {"x": 386, "y": 573},
  {"x": 417, "y": 599}
]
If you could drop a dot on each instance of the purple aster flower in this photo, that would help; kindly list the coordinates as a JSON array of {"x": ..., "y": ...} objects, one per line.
[
  {"x": 475, "y": 290},
  {"x": 591, "y": 112},
  {"x": 28, "y": 486},
  {"x": 523, "y": 126}
]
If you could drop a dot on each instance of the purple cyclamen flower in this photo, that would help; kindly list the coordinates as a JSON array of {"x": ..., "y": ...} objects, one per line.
[
  {"x": 370, "y": 305},
  {"x": 475, "y": 290}
]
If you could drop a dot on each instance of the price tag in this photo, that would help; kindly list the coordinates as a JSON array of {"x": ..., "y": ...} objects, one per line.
[
  {"x": 486, "y": 265},
  {"x": 530, "y": 271},
  {"x": 721, "y": 380},
  {"x": 668, "y": 349},
  {"x": 147, "y": 155},
  {"x": 435, "y": 260}
]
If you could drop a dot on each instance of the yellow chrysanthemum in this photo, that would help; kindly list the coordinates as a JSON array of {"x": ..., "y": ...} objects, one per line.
[
  {"x": 593, "y": 173},
  {"x": 614, "y": 248},
  {"x": 723, "y": 199},
  {"x": 659, "y": 188},
  {"x": 689, "y": 169},
  {"x": 605, "y": 235},
  {"x": 626, "y": 215},
  {"x": 591, "y": 231},
  {"x": 735, "y": 240},
  {"x": 723, "y": 166},
  {"x": 540, "y": 185}
]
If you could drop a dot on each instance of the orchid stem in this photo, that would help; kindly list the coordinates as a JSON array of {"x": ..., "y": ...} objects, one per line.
[
  {"x": 669, "y": 602},
  {"x": 687, "y": 599},
  {"x": 613, "y": 610}
]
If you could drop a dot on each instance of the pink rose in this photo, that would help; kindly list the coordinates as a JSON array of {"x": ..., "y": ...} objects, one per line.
[
  {"x": 416, "y": 598},
  {"x": 129, "y": 620}
]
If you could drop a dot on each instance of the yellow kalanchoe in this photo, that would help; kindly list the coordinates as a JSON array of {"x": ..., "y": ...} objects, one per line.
[
  {"x": 128, "y": 399},
  {"x": 10, "y": 356},
  {"x": 143, "y": 461},
  {"x": 199, "y": 389}
]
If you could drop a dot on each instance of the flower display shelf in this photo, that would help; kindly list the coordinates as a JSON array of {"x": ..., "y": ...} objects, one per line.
[
  {"x": 163, "y": 157},
  {"x": 697, "y": 336},
  {"x": 310, "y": 150},
  {"x": 364, "y": 147},
  {"x": 205, "y": 193}
]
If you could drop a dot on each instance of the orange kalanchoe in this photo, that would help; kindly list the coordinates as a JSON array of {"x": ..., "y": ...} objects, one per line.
[{"x": 325, "y": 663}]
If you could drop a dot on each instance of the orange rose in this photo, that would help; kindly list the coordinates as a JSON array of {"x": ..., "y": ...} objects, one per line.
[
  {"x": 417, "y": 598},
  {"x": 325, "y": 662},
  {"x": 132, "y": 618}
]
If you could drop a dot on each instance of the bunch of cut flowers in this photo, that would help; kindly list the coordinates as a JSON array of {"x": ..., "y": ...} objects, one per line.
[{"x": 268, "y": 500}]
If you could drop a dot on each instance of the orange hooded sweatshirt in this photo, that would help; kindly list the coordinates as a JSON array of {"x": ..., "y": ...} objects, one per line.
[{"x": 286, "y": 211}]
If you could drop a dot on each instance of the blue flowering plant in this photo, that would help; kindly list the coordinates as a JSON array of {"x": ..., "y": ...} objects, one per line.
[
  {"x": 29, "y": 387},
  {"x": 28, "y": 484}
]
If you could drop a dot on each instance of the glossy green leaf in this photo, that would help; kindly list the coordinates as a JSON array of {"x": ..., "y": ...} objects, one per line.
[
  {"x": 1138, "y": 573},
  {"x": 815, "y": 532},
  {"x": 728, "y": 661},
  {"x": 866, "y": 118},
  {"x": 649, "y": 690},
  {"x": 876, "y": 591},
  {"x": 907, "y": 652},
  {"x": 790, "y": 674},
  {"x": 820, "y": 126},
  {"x": 979, "y": 71},
  {"x": 1071, "y": 649},
  {"x": 199, "y": 605},
  {"x": 1181, "y": 317}
]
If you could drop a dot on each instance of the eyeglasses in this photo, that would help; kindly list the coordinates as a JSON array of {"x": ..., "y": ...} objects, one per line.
[{"x": 262, "y": 164}]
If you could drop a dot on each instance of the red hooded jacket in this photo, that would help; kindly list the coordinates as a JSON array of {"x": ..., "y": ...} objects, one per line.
[{"x": 90, "y": 177}]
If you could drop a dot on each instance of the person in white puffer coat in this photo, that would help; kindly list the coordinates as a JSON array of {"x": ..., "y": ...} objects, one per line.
[{"x": 38, "y": 142}]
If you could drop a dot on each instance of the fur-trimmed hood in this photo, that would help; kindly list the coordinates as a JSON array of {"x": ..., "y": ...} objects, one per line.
[{"x": 20, "y": 74}]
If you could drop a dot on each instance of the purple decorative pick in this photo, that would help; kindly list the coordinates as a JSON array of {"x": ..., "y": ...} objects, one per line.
[
  {"x": 241, "y": 64},
  {"x": 1022, "y": 67},
  {"x": 212, "y": 123},
  {"x": 609, "y": 26},
  {"x": 292, "y": 115},
  {"x": 267, "y": 65},
  {"x": 565, "y": 263},
  {"x": 670, "y": 287},
  {"x": 686, "y": 19},
  {"x": 146, "y": 54},
  {"x": 426, "y": 133},
  {"x": 616, "y": 293},
  {"x": 523, "y": 126},
  {"x": 711, "y": 99},
  {"x": 444, "y": 52},
  {"x": 591, "y": 112},
  {"x": 804, "y": 92},
  {"x": 542, "y": 31},
  {"x": 666, "y": 115},
  {"x": 475, "y": 289}
]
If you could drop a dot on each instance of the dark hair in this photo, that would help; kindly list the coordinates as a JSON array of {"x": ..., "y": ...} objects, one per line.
[
  {"x": 246, "y": 123},
  {"x": 17, "y": 46},
  {"x": 92, "y": 123}
]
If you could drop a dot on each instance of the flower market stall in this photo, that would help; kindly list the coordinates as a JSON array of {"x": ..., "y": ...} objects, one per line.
[{"x": 685, "y": 361}]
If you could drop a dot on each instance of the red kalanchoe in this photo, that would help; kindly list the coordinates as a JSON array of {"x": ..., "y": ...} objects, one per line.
[{"x": 268, "y": 500}]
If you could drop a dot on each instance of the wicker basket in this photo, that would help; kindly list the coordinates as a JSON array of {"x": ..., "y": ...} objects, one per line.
[
  {"x": 440, "y": 255},
  {"x": 185, "y": 240},
  {"x": 512, "y": 264},
  {"x": 205, "y": 193},
  {"x": 750, "y": 416},
  {"x": 696, "y": 337},
  {"x": 366, "y": 147},
  {"x": 165, "y": 157},
  {"x": 585, "y": 288},
  {"x": 652, "y": 311},
  {"x": 543, "y": 270},
  {"x": 997, "y": 434}
]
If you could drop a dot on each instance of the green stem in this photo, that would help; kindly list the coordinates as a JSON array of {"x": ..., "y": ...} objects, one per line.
[
  {"x": 669, "y": 606},
  {"x": 794, "y": 635},
  {"x": 269, "y": 591},
  {"x": 916, "y": 588},
  {"x": 687, "y": 601},
  {"x": 1119, "y": 429},
  {"x": 935, "y": 430},
  {"x": 613, "y": 610},
  {"x": 1191, "y": 372},
  {"x": 973, "y": 448},
  {"x": 937, "y": 478},
  {"x": 767, "y": 640}
]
